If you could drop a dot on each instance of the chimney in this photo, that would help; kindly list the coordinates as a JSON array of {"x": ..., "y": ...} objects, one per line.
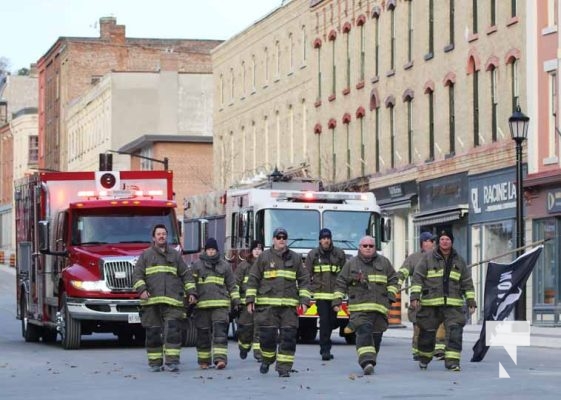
[{"x": 110, "y": 31}]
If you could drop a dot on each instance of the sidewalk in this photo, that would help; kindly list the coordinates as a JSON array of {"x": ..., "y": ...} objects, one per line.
[{"x": 540, "y": 336}]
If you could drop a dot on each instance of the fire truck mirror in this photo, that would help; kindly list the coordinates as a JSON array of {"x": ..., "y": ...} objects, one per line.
[
  {"x": 44, "y": 245},
  {"x": 386, "y": 229}
]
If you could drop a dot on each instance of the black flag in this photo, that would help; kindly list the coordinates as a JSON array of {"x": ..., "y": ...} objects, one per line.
[{"x": 503, "y": 288}]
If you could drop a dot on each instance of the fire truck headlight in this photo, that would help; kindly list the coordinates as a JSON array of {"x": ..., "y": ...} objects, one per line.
[{"x": 90, "y": 286}]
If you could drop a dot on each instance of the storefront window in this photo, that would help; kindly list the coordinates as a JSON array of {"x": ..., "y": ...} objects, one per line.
[{"x": 546, "y": 272}]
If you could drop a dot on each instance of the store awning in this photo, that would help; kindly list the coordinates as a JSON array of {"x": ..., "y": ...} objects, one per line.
[
  {"x": 434, "y": 217},
  {"x": 397, "y": 203}
]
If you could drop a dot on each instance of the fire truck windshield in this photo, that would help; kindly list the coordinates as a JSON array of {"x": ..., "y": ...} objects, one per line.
[
  {"x": 303, "y": 226},
  {"x": 91, "y": 228}
]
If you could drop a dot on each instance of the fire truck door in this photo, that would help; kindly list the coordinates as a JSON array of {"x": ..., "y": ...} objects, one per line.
[{"x": 59, "y": 262}]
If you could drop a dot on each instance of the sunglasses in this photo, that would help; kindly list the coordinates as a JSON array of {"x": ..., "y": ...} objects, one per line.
[
  {"x": 280, "y": 237},
  {"x": 367, "y": 246}
]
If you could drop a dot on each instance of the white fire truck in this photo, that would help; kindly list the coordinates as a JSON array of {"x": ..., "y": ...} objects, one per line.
[
  {"x": 301, "y": 208},
  {"x": 79, "y": 235}
]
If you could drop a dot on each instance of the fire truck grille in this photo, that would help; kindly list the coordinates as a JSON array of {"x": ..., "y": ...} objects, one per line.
[{"x": 118, "y": 275}]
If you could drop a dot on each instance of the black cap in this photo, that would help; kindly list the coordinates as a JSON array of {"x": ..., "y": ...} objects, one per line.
[
  {"x": 255, "y": 244},
  {"x": 280, "y": 231},
  {"x": 325, "y": 233},
  {"x": 446, "y": 232},
  {"x": 211, "y": 243}
]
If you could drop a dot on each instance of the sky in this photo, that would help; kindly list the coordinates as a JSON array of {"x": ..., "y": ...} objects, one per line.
[{"x": 28, "y": 28}]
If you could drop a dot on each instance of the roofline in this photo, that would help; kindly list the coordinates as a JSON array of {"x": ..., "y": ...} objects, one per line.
[{"x": 143, "y": 140}]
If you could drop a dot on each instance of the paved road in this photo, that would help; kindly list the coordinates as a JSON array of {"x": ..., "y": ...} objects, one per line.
[{"x": 103, "y": 370}]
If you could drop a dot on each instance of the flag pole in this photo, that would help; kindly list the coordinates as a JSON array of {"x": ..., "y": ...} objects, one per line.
[{"x": 533, "y": 244}]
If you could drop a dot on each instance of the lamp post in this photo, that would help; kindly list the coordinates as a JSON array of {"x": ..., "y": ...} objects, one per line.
[{"x": 518, "y": 124}]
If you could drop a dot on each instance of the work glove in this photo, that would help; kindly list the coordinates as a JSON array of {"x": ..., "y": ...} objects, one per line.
[{"x": 471, "y": 303}]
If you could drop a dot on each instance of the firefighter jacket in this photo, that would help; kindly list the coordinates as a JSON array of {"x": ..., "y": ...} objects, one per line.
[
  {"x": 371, "y": 284},
  {"x": 408, "y": 266},
  {"x": 216, "y": 284},
  {"x": 438, "y": 281},
  {"x": 278, "y": 278},
  {"x": 164, "y": 275},
  {"x": 242, "y": 276},
  {"x": 324, "y": 266}
]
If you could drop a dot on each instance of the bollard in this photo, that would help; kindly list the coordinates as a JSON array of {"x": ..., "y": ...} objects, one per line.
[
  {"x": 12, "y": 260},
  {"x": 2, "y": 259},
  {"x": 394, "y": 317}
]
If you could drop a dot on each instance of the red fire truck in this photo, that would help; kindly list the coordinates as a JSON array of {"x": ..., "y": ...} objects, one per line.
[
  {"x": 238, "y": 216},
  {"x": 79, "y": 235}
]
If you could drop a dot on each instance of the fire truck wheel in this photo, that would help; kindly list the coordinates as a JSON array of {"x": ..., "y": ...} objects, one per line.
[
  {"x": 188, "y": 333},
  {"x": 30, "y": 332},
  {"x": 70, "y": 329},
  {"x": 49, "y": 335}
]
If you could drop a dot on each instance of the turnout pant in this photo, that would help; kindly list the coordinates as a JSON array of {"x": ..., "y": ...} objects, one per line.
[
  {"x": 248, "y": 334},
  {"x": 327, "y": 322},
  {"x": 440, "y": 344},
  {"x": 428, "y": 320},
  {"x": 369, "y": 328},
  {"x": 212, "y": 334},
  {"x": 163, "y": 333},
  {"x": 273, "y": 321}
]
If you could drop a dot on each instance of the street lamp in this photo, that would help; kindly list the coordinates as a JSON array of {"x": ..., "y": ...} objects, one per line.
[{"x": 518, "y": 124}]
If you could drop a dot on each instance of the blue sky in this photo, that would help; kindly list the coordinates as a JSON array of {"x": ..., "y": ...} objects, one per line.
[{"x": 28, "y": 28}]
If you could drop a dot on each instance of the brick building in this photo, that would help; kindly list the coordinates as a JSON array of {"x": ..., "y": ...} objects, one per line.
[{"x": 73, "y": 65}]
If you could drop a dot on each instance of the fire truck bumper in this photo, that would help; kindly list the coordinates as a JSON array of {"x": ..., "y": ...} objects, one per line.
[{"x": 104, "y": 309}]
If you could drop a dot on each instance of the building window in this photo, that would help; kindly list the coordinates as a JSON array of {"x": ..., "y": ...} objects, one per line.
[
  {"x": 232, "y": 82},
  {"x": 494, "y": 104},
  {"x": 333, "y": 69},
  {"x": 551, "y": 13},
  {"x": 515, "y": 84},
  {"x": 291, "y": 52},
  {"x": 493, "y": 12},
  {"x": 347, "y": 128},
  {"x": 348, "y": 63},
  {"x": 33, "y": 149},
  {"x": 221, "y": 89},
  {"x": 278, "y": 58},
  {"x": 377, "y": 47},
  {"x": 304, "y": 45},
  {"x": 475, "y": 106},
  {"x": 391, "y": 114},
  {"x": 253, "y": 74},
  {"x": 409, "y": 31},
  {"x": 333, "y": 157},
  {"x": 145, "y": 163},
  {"x": 430, "y": 53},
  {"x": 362, "y": 54},
  {"x": 409, "y": 101},
  {"x": 243, "y": 79},
  {"x": 362, "y": 147},
  {"x": 431, "y": 125},
  {"x": 553, "y": 129},
  {"x": 377, "y": 138},
  {"x": 266, "y": 65},
  {"x": 319, "y": 73},
  {"x": 474, "y": 16},
  {"x": 451, "y": 26},
  {"x": 451, "y": 118},
  {"x": 392, "y": 39},
  {"x": 513, "y": 8}
]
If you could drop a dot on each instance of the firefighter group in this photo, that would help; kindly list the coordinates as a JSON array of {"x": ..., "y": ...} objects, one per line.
[{"x": 268, "y": 287}]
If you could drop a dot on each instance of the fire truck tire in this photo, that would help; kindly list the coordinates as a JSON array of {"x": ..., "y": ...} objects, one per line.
[
  {"x": 307, "y": 330},
  {"x": 71, "y": 328},
  {"x": 30, "y": 332},
  {"x": 189, "y": 333}
]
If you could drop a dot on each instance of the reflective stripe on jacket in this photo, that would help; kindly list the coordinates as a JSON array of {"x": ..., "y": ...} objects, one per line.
[{"x": 324, "y": 266}]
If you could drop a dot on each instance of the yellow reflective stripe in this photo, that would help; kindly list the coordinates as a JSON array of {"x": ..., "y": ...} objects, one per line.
[
  {"x": 366, "y": 349},
  {"x": 139, "y": 284},
  {"x": 235, "y": 294},
  {"x": 245, "y": 346},
  {"x": 438, "y": 301},
  {"x": 368, "y": 307},
  {"x": 439, "y": 346},
  {"x": 172, "y": 352},
  {"x": 470, "y": 295},
  {"x": 219, "y": 350},
  {"x": 281, "y": 273},
  {"x": 189, "y": 286},
  {"x": 392, "y": 289},
  {"x": 324, "y": 296},
  {"x": 203, "y": 354},
  {"x": 285, "y": 358},
  {"x": 304, "y": 293},
  {"x": 268, "y": 354},
  {"x": 256, "y": 346},
  {"x": 275, "y": 301},
  {"x": 245, "y": 279},
  {"x": 338, "y": 295},
  {"x": 152, "y": 356},
  {"x": 425, "y": 354},
  {"x": 454, "y": 302},
  {"x": 416, "y": 288},
  {"x": 452, "y": 354},
  {"x": 435, "y": 274},
  {"x": 213, "y": 303},
  {"x": 404, "y": 271},
  {"x": 322, "y": 268},
  {"x": 157, "y": 269},
  {"x": 455, "y": 275},
  {"x": 251, "y": 292},
  {"x": 217, "y": 280},
  {"x": 376, "y": 278},
  {"x": 161, "y": 300}
]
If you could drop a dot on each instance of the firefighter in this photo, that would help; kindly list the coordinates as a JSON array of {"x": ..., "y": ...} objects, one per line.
[
  {"x": 427, "y": 244},
  {"x": 216, "y": 292},
  {"x": 441, "y": 281},
  {"x": 248, "y": 334},
  {"x": 278, "y": 283},
  {"x": 324, "y": 264},
  {"x": 370, "y": 281},
  {"x": 162, "y": 279}
]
